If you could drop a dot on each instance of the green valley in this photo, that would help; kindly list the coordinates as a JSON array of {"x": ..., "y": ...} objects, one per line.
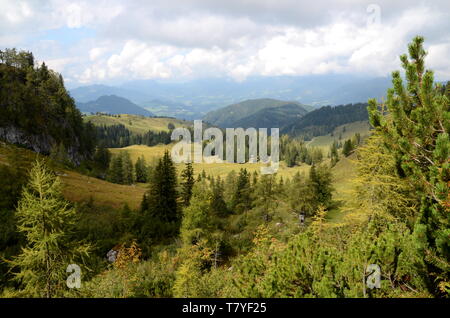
[{"x": 359, "y": 186}]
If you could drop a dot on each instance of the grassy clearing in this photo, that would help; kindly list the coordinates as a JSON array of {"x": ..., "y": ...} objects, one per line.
[
  {"x": 151, "y": 154},
  {"x": 80, "y": 188},
  {"x": 137, "y": 124},
  {"x": 343, "y": 173}
]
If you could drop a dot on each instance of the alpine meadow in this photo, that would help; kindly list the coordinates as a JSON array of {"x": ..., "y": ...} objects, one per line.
[{"x": 95, "y": 201}]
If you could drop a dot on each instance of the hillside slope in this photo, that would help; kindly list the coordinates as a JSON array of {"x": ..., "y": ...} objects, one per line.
[
  {"x": 274, "y": 117},
  {"x": 325, "y": 119},
  {"x": 230, "y": 115},
  {"x": 79, "y": 188},
  {"x": 137, "y": 124}
]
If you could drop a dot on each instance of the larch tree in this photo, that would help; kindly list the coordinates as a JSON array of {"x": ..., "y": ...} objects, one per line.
[
  {"x": 46, "y": 219},
  {"x": 195, "y": 223}
]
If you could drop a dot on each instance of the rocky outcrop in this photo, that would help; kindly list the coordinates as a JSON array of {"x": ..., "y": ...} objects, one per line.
[{"x": 42, "y": 143}]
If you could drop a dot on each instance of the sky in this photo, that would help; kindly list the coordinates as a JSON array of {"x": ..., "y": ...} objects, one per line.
[{"x": 114, "y": 41}]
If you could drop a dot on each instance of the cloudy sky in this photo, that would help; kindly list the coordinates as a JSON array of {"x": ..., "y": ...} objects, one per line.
[{"x": 114, "y": 41}]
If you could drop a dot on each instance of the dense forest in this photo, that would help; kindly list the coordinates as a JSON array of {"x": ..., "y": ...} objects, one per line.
[
  {"x": 118, "y": 136},
  {"x": 325, "y": 119},
  {"x": 37, "y": 112},
  {"x": 242, "y": 234}
]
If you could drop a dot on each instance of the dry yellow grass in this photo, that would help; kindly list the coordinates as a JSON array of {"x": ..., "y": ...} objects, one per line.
[
  {"x": 343, "y": 174},
  {"x": 214, "y": 169},
  {"x": 80, "y": 188}
]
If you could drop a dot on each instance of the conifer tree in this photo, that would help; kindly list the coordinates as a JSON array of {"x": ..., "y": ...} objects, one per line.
[
  {"x": 301, "y": 196},
  {"x": 266, "y": 194},
  {"x": 102, "y": 157},
  {"x": 242, "y": 198},
  {"x": 348, "y": 148},
  {"x": 127, "y": 168},
  {"x": 196, "y": 220},
  {"x": 417, "y": 133},
  {"x": 334, "y": 154},
  {"x": 115, "y": 172},
  {"x": 46, "y": 220},
  {"x": 141, "y": 170},
  {"x": 218, "y": 205},
  {"x": 320, "y": 181},
  {"x": 162, "y": 217},
  {"x": 229, "y": 188},
  {"x": 187, "y": 183}
]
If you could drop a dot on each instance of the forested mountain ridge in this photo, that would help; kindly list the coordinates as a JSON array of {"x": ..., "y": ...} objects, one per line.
[
  {"x": 274, "y": 117},
  {"x": 36, "y": 111},
  {"x": 325, "y": 119},
  {"x": 113, "y": 104},
  {"x": 230, "y": 115}
]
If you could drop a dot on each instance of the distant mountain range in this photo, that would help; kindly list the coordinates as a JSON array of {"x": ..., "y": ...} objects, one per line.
[
  {"x": 257, "y": 113},
  {"x": 85, "y": 94},
  {"x": 112, "y": 104},
  {"x": 291, "y": 118},
  {"x": 194, "y": 99}
]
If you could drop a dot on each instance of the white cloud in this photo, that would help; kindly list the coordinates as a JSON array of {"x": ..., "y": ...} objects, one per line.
[
  {"x": 438, "y": 60},
  {"x": 58, "y": 65},
  {"x": 200, "y": 38},
  {"x": 97, "y": 52}
]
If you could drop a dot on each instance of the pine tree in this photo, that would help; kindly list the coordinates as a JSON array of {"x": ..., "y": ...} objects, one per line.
[
  {"x": 162, "y": 218},
  {"x": 218, "y": 206},
  {"x": 141, "y": 170},
  {"x": 417, "y": 133},
  {"x": 127, "y": 168},
  {"x": 348, "y": 148},
  {"x": 187, "y": 183},
  {"x": 47, "y": 221},
  {"x": 291, "y": 156},
  {"x": 266, "y": 194},
  {"x": 301, "y": 195},
  {"x": 320, "y": 180},
  {"x": 115, "y": 172},
  {"x": 229, "y": 188},
  {"x": 102, "y": 157},
  {"x": 242, "y": 198},
  {"x": 334, "y": 154}
]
